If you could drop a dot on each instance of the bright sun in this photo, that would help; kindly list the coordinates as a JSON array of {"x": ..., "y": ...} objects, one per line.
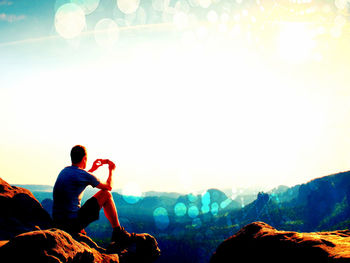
[
  {"x": 295, "y": 42},
  {"x": 231, "y": 98}
]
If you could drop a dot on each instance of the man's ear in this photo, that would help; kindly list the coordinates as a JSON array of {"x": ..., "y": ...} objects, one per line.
[{"x": 84, "y": 162}]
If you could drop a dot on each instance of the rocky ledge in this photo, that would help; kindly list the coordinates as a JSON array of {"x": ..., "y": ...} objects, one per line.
[
  {"x": 20, "y": 212},
  {"x": 26, "y": 235},
  {"x": 260, "y": 242}
]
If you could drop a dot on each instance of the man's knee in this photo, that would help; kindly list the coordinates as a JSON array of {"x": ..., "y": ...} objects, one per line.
[
  {"x": 106, "y": 194},
  {"x": 103, "y": 196}
]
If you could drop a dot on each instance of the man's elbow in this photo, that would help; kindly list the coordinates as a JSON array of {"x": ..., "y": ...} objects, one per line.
[{"x": 104, "y": 187}]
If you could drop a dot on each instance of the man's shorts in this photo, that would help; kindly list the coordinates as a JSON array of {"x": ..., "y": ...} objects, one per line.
[{"x": 87, "y": 214}]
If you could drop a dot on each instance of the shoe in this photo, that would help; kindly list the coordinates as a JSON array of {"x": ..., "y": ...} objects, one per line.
[
  {"x": 121, "y": 239},
  {"x": 130, "y": 247}
]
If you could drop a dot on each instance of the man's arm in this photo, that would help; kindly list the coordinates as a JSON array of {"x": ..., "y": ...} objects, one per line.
[{"x": 108, "y": 185}]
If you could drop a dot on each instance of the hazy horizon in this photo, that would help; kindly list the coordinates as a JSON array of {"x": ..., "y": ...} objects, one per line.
[
  {"x": 183, "y": 96},
  {"x": 134, "y": 189}
]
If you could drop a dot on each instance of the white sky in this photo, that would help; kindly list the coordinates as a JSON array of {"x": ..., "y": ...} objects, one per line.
[{"x": 182, "y": 116}]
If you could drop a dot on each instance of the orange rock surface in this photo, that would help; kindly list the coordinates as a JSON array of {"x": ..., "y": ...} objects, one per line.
[{"x": 260, "y": 241}]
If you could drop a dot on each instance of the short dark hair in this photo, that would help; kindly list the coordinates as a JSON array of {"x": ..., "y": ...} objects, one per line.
[{"x": 77, "y": 153}]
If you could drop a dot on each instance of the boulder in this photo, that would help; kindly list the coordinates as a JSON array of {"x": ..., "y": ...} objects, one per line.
[
  {"x": 259, "y": 242},
  {"x": 52, "y": 245},
  {"x": 20, "y": 212}
]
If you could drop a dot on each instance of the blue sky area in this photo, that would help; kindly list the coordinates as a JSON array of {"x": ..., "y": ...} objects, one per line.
[{"x": 183, "y": 95}]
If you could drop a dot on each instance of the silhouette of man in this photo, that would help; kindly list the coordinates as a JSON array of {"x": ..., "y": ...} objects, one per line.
[{"x": 69, "y": 215}]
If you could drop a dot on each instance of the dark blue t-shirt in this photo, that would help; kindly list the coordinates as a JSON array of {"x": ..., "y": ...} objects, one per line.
[{"x": 68, "y": 191}]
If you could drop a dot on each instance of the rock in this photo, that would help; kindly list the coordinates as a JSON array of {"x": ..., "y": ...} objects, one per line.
[
  {"x": 26, "y": 235},
  {"x": 52, "y": 245},
  {"x": 20, "y": 212},
  {"x": 259, "y": 242}
]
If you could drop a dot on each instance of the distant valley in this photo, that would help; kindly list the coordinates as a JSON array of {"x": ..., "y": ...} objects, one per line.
[{"x": 196, "y": 224}]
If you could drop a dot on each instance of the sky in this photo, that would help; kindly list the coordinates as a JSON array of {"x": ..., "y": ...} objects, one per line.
[{"x": 182, "y": 95}]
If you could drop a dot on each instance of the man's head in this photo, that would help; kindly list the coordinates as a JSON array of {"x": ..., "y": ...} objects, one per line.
[{"x": 78, "y": 156}]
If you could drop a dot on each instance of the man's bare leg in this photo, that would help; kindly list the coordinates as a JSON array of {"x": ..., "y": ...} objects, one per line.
[
  {"x": 105, "y": 200},
  {"x": 122, "y": 237}
]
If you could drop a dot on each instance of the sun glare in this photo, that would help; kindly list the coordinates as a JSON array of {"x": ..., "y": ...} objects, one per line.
[
  {"x": 189, "y": 92},
  {"x": 295, "y": 41}
]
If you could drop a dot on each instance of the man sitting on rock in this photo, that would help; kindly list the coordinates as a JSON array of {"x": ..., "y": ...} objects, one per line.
[{"x": 68, "y": 191}]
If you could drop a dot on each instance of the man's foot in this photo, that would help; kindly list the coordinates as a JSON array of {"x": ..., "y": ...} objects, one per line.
[{"x": 121, "y": 239}]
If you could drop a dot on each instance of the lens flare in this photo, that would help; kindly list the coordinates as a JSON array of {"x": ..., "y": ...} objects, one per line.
[
  {"x": 106, "y": 33},
  {"x": 206, "y": 198},
  {"x": 128, "y": 6},
  {"x": 161, "y": 218},
  {"x": 182, "y": 6},
  {"x": 180, "y": 209},
  {"x": 132, "y": 193},
  {"x": 225, "y": 203},
  {"x": 88, "y": 6},
  {"x": 215, "y": 209},
  {"x": 205, "y": 209},
  {"x": 160, "y": 5},
  {"x": 141, "y": 16},
  {"x": 193, "y": 211},
  {"x": 59, "y": 3},
  {"x": 192, "y": 198},
  {"x": 204, "y": 3},
  {"x": 70, "y": 21},
  {"x": 341, "y": 4}
]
